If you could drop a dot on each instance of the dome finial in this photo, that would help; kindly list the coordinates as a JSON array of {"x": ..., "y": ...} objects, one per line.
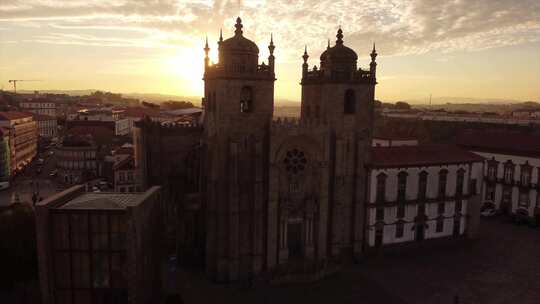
[
  {"x": 305, "y": 56},
  {"x": 271, "y": 46},
  {"x": 238, "y": 26},
  {"x": 373, "y": 53},
  {"x": 206, "y": 48},
  {"x": 339, "y": 36},
  {"x": 328, "y": 46},
  {"x": 220, "y": 35}
]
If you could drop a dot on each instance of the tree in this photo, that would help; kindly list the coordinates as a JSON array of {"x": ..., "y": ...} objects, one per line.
[
  {"x": 402, "y": 105},
  {"x": 175, "y": 105}
]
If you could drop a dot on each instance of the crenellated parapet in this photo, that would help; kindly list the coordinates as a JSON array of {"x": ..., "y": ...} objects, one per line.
[{"x": 338, "y": 64}]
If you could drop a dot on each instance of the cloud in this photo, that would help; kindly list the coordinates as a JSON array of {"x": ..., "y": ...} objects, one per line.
[{"x": 398, "y": 26}]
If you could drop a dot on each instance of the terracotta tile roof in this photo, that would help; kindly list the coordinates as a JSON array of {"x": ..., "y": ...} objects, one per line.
[
  {"x": 11, "y": 115},
  {"x": 423, "y": 155},
  {"x": 503, "y": 142}
]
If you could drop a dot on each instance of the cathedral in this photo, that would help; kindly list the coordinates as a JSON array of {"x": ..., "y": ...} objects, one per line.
[
  {"x": 250, "y": 194},
  {"x": 280, "y": 191}
]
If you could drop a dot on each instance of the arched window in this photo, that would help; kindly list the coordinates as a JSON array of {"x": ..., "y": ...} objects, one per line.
[
  {"x": 443, "y": 174},
  {"x": 246, "y": 100},
  {"x": 509, "y": 172},
  {"x": 349, "y": 102},
  {"x": 526, "y": 174}
]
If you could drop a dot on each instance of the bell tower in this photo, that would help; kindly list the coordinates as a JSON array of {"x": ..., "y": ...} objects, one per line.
[
  {"x": 239, "y": 103},
  {"x": 341, "y": 95}
]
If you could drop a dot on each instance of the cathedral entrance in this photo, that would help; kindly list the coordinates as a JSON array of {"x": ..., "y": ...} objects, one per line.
[{"x": 294, "y": 239}]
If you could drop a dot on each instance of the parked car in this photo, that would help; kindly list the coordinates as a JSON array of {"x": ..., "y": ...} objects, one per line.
[
  {"x": 41, "y": 161},
  {"x": 53, "y": 173},
  {"x": 488, "y": 213}
]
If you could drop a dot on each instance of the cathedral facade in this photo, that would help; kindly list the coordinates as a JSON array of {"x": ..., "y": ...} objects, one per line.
[
  {"x": 286, "y": 191},
  {"x": 248, "y": 195}
]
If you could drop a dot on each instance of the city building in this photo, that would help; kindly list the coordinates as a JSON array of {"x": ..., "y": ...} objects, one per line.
[
  {"x": 260, "y": 195},
  {"x": 5, "y": 158},
  {"x": 99, "y": 247},
  {"x": 39, "y": 105},
  {"x": 23, "y": 135},
  {"x": 122, "y": 126},
  {"x": 77, "y": 159},
  {"x": 47, "y": 125},
  {"x": 422, "y": 192},
  {"x": 126, "y": 177},
  {"x": 512, "y": 171}
]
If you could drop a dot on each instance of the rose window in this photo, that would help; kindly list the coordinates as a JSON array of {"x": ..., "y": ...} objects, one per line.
[{"x": 295, "y": 161}]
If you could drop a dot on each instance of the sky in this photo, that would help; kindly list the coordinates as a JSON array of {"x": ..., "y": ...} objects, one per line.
[{"x": 457, "y": 48}]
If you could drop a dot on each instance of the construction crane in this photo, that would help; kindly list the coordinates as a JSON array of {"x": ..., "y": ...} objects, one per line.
[{"x": 14, "y": 81}]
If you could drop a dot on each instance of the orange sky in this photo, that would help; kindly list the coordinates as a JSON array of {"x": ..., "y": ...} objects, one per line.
[{"x": 478, "y": 49}]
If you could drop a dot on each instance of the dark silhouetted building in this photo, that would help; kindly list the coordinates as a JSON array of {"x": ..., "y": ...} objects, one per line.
[{"x": 99, "y": 247}]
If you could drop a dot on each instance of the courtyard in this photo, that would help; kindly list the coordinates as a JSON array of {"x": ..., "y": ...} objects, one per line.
[{"x": 502, "y": 266}]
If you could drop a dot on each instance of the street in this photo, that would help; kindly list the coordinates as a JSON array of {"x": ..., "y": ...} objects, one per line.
[{"x": 28, "y": 182}]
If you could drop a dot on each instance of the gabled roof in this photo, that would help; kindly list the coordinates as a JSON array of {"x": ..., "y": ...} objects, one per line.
[
  {"x": 420, "y": 156},
  {"x": 502, "y": 142}
]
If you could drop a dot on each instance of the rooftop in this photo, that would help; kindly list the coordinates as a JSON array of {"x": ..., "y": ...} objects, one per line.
[
  {"x": 422, "y": 155},
  {"x": 503, "y": 142},
  {"x": 104, "y": 200}
]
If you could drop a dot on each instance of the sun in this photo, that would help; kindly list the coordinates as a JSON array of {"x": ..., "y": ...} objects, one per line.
[{"x": 186, "y": 67}]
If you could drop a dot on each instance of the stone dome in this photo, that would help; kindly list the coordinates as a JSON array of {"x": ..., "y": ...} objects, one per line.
[
  {"x": 339, "y": 52},
  {"x": 238, "y": 43}
]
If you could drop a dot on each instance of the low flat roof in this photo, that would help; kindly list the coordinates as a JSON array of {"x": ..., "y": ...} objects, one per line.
[{"x": 103, "y": 200}]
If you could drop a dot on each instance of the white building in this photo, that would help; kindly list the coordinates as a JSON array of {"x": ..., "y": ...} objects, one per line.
[
  {"x": 39, "y": 106},
  {"x": 422, "y": 192},
  {"x": 512, "y": 171},
  {"x": 47, "y": 125},
  {"x": 122, "y": 126}
]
